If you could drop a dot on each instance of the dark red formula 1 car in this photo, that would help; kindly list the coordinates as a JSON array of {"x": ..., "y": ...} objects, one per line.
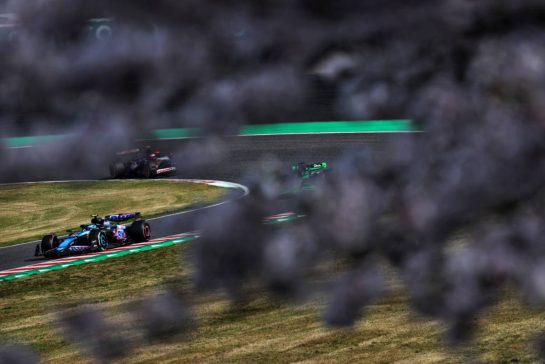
[{"x": 141, "y": 163}]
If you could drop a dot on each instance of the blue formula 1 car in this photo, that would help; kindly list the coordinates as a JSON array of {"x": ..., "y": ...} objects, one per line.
[{"x": 97, "y": 236}]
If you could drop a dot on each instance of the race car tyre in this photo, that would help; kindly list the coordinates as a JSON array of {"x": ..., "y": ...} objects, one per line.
[
  {"x": 146, "y": 171},
  {"x": 140, "y": 231},
  {"x": 117, "y": 169},
  {"x": 49, "y": 242},
  {"x": 301, "y": 169},
  {"x": 103, "y": 32},
  {"x": 98, "y": 241}
]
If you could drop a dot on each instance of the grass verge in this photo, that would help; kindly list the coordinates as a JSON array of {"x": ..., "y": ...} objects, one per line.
[
  {"x": 28, "y": 211},
  {"x": 264, "y": 330}
]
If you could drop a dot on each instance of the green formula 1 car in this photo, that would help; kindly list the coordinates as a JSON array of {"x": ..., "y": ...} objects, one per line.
[
  {"x": 309, "y": 171},
  {"x": 310, "y": 175},
  {"x": 308, "y": 181},
  {"x": 307, "y": 177}
]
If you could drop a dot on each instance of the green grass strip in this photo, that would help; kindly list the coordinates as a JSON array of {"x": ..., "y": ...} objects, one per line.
[{"x": 99, "y": 258}]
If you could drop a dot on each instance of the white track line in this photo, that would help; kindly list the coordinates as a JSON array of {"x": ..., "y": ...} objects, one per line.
[{"x": 223, "y": 184}]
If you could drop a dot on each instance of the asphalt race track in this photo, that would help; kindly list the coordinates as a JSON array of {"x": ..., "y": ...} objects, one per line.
[{"x": 243, "y": 154}]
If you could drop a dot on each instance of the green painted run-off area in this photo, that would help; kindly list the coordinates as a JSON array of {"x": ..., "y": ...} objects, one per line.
[
  {"x": 121, "y": 253},
  {"x": 315, "y": 127},
  {"x": 98, "y": 258}
]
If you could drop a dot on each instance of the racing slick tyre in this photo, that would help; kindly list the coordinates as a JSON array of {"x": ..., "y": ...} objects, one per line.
[
  {"x": 103, "y": 32},
  {"x": 301, "y": 169},
  {"x": 140, "y": 231},
  {"x": 48, "y": 243},
  {"x": 146, "y": 171},
  {"x": 98, "y": 241},
  {"x": 117, "y": 169}
]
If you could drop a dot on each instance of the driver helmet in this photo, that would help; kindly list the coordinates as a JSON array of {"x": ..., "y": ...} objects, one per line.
[{"x": 97, "y": 220}]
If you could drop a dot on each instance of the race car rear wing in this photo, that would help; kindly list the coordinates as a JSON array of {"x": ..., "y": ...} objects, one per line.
[
  {"x": 130, "y": 151},
  {"x": 123, "y": 216}
]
